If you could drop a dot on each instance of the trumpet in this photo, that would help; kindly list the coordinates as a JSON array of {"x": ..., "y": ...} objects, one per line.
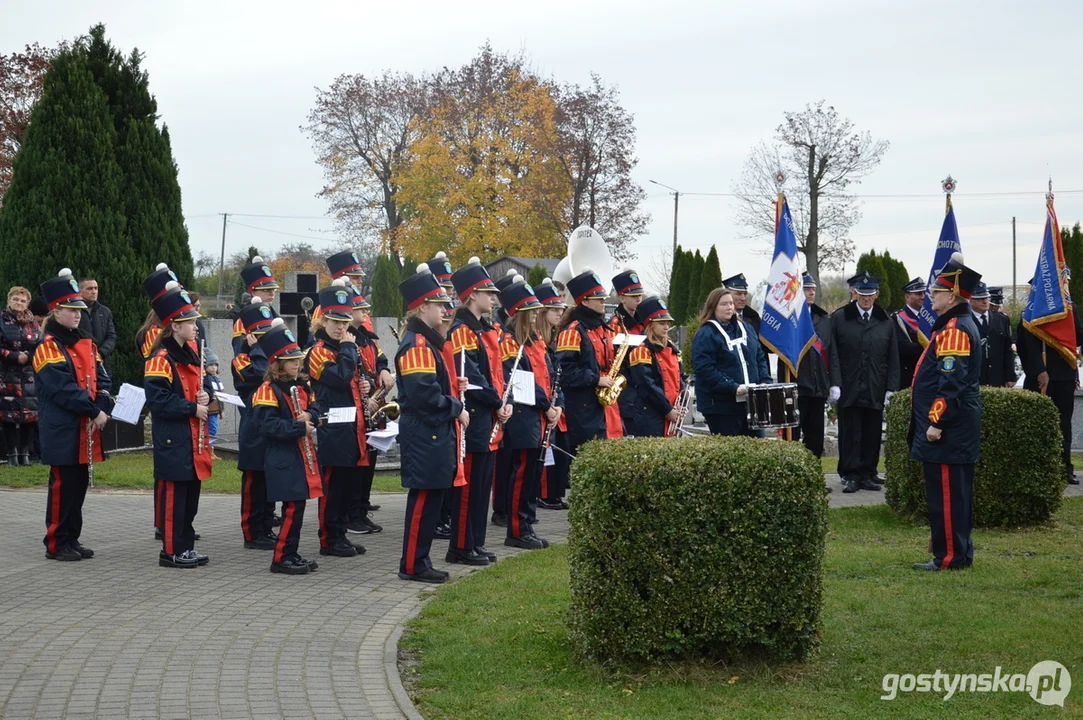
[
  {"x": 310, "y": 461},
  {"x": 674, "y": 428},
  {"x": 608, "y": 395}
]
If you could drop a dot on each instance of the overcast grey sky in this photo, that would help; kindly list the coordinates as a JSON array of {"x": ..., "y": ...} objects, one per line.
[{"x": 988, "y": 91}]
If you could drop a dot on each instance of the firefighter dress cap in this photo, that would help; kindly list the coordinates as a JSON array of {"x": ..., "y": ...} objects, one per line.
[
  {"x": 917, "y": 285},
  {"x": 651, "y": 310},
  {"x": 981, "y": 292},
  {"x": 441, "y": 269},
  {"x": 345, "y": 263},
  {"x": 518, "y": 296},
  {"x": 63, "y": 291},
  {"x": 737, "y": 282},
  {"x": 957, "y": 278},
  {"x": 336, "y": 302},
  {"x": 257, "y": 276},
  {"x": 256, "y": 317},
  {"x": 585, "y": 286},
  {"x": 422, "y": 287},
  {"x": 472, "y": 277},
  {"x": 865, "y": 284},
  {"x": 627, "y": 283},
  {"x": 807, "y": 281},
  {"x": 174, "y": 305},
  {"x": 278, "y": 343},
  {"x": 155, "y": 283}
]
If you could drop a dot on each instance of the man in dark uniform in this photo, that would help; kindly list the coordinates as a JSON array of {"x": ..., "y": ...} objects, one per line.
[
  {"x": 738, "y": 287},
  {"x": 1045, "y": 371},
  {"x": 813, "y": 381},
  {"x": 996, "y": 299},
  {"x": 864, "y": 373},
  {"x": 945, "y": 421},
  {"x": 998, "y": 365},
  {"x": 906, "y": 330}
]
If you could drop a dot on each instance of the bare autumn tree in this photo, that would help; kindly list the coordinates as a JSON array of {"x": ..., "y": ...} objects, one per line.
[
  {"x": 597, "y": 141},
  {"x": 360, "y": 129},
  {"x": 821, "y": 155},
  {"x": 22, "y": 75}
]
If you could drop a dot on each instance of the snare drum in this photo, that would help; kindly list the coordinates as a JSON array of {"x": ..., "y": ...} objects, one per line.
[{"x": 772, "y": 405}]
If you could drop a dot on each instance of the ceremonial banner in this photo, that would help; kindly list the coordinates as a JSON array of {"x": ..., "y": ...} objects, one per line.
[
  {"x": 1049, "y": 315},
  {"x": 786, "y": 327},
  {"x": 945, "y": 246}
]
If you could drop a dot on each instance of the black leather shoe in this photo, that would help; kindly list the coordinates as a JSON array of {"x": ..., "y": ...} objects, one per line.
[
  {"x": 84, "y": 551},
  {"x": 266, "y": 542},
  {"x": 551, "y": 504},
  {"x": 364, "y": 526},
  {"x": 276, "y": 520},
  {"x": 358, "y": 547},
  {"x": 64, "y": 554},
  {"x": 340, "y": 549},
  {"x": 182, "y": 561},
  {"x": 371, "y": 508},
  {"x": 865, "y": 484},
  {"x": 295, "y": 565},
  {"x": 201, "y": 560},
  {"x": 480, "y": 550},
  {"x": 443, "y": 532},
  {"x": 428, "y": 575},
  {"x": 313, "y": 566},
  {"x": 465, "y": 557},
  {"x": 1072, "y": 480},
  {"x": 877, "y": 479},
  {"x": 527, "y": 542},
  {"x": 24, "y": 458},
  {"x": 198, "y": 536},
  {"x": 500, "y": 519},
  {"x": 927, "y": 565},
  {"x": 849, "y": 486},
  {"x": 157, "y": 533}
]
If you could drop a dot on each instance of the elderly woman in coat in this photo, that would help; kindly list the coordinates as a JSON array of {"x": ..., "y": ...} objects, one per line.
[{"x": 20, "y": 335}]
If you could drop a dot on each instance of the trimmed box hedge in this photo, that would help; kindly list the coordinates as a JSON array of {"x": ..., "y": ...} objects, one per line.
[
  {"x": 1019, "y": 479},
  {"x": 696, "y": 547}
]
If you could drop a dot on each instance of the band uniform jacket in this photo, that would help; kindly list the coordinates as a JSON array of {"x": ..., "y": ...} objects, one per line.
[
  {"x": 655, "y": 372},
  {"x": 585, "y": 351},
  {"x": 484, "y": 370},
  {"x": 523, "y": 430},
  {"x": 864, "y": 356},
  {"x": 813, "y": 379},
  {"x": 248, "y": 369},
  {"x": 145, "y": 342},
  {"x": 336, "y": 382},
  {"x": 623, "y": 323},
  {"x": 291, "y": 474},
  {"x": 998, "y": 364},
  {"x": 907, "y": 339},
  {"x": 428, "y": 442},
  {"x": 946, "y": 391},
  {"x": 718, "y": 368},
  {"x": 172, "y": 378},
  {"x": 64, "y": 362}
]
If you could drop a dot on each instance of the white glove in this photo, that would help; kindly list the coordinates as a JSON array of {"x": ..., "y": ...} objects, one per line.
[
  {"x": 742, "y": 390},
  {"x": 887, "y": 398},
  {"x": 835, "y": 394}
]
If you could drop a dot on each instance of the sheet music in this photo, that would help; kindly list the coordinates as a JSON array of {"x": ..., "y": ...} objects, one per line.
[
  {"x": 129, "y": 403},
  {"x": 522, "y": 387},
  {"x": 383, "y": 439},
  {"x": 549, "y": 459},
  {"x": 229, "y": 398},
  {"x": 341, "y": 415},
  {"x": 633, "y": 340}
]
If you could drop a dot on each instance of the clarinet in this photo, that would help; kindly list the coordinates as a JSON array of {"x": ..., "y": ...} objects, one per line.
[
  {"x": 202, "y": 422},
  {"x": 364, "y": 376},
  {"x": 90, "y": 440},
  {"x": 305, "y": 441},
  {"x": 547, "y": 436},
  {"x": 507, "y": 393}
]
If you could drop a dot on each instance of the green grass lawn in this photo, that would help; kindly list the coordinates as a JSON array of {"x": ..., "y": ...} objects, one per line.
[
  {"x": 136, "y": 470},
  {"x": 494, "y": 644}
]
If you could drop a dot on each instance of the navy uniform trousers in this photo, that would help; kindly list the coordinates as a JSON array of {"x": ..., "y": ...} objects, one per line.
[
  {"x": 289, "y": 535},
  {"x": 64, "y": 509},
  {"x": 859, "y": 442},
  {"x": 949, "y": 491},
  {"x": 555, "y": 478},
  {"x": 256, "y": 512},
  {"x": 470, "y": 503},
  {"x": 338, "y": 484},
  {"x": 178, "y": 503},
  {"x": 422, "y": 515},
  {"x": 523, "y": 476},
  {"x": 361, "y": 491}
]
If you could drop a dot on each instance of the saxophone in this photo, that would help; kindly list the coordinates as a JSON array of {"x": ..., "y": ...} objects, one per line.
[{"x": 608, "y": 395}]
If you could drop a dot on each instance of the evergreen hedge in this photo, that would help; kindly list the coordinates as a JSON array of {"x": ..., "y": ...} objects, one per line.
[
  {"x": 698, "y": 547},
  {"x": 1019, "y": 478}
]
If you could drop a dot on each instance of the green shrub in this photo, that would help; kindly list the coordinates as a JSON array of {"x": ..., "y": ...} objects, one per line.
[
  {"x": 699, "y": 547},
  {"x": 1019, "y": 478}
]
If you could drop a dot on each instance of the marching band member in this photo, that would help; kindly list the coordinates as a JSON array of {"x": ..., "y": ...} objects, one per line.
[
  {"x": 248, "y": 368},
  {"x": 373, "y": 363},
  {"x": 655, "y": 372},
  {"x": 727, "y": 357},
  {"x": 585, "y": 351},
  {"x": 499, "y": 319},
  {"x": 555, "y": 477},
  {"x": 260, "y": 283},
  {"x": 293, "y": 475},
  {"x": 73, "y": 399},
  {"x": 332, "y": 367},
  {"x": 473, "y": 335},
  {"x": 173, "y": 382},
  {"x": 146, "y": 339},
  {"x": 427, "y": 435},
  {"x": 346, "y": 265},
  {"x": 520, "y": 455},
  {"x": 442, "y": 271},
  {"x": 629, "y": 295}
]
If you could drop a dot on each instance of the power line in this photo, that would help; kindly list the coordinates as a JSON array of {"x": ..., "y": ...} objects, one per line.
[
  {"x": 284, "y": 217},
  {"x": 279, "y": 232}
]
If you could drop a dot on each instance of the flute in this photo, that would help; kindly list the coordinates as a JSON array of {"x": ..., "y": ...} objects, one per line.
[
  {"x": 202, "y": 422},
  {"x": 306, "y": 442},
  {"x": 507, "y": 393},
  {"x": 90, "y": 439}
]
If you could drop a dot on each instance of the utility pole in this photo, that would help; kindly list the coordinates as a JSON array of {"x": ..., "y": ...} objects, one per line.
[
  {"x": 222, "y": 259},
  {"x": 676, "y": 203},
  {"x": 1013, "y": 262}
]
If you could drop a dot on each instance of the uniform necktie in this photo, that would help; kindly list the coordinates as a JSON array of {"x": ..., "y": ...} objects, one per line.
[
  {"x": 984, "y": 322},
  {"x": 864, "y": 317}
]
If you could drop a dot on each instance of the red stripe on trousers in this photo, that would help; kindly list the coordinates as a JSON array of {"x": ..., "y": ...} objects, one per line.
[
  {"x": 158, "y": 504},
  {"x": 516, "y": 491},
  {"x": 284, "y": 531},
  {"x": 246, "y": 505},
  {"x": 323, "y": 507},
  {"x": 415, "y": 527},
  {"x": 945, "y": 489},
  {"x": 464, "y": 499},
  {"x": 545, "y": 482},
  {"x": 54, "y": 508},
  {"x": 167, "y": 531}
]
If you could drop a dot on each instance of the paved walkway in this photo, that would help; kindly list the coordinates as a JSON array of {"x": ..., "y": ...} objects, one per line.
[{"x": 117, "y": 636}]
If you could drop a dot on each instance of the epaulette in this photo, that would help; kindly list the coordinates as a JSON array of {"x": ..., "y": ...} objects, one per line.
[
  {"x": 318, "y": 357},
  {"x": 640, "y": 355},
  {"x": 148, "y": 340},
  {"x": 509, "y": 347},
  {"x": 238, "y": 328},
  {"x": 417, "y": 360},
  {"x": 48, "y": 352},
  {"x": 158, "y": 366},
  {"x": 265, "y": 396},
  {"x": 463, "y": 339},
  {"x": 952, "y": 341},
  {"x": 242, "y": 361},
  {"x": 568, "y": 340}
]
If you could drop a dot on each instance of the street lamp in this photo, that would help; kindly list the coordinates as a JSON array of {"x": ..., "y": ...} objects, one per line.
[{"x": 676, "y": 199}]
